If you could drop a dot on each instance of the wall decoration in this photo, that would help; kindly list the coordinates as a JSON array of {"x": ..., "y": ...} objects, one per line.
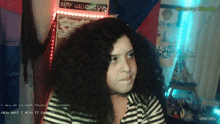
[
  {"x": 181, "y": 72},
  {"x": 66, "y": 25},
  {"x": 166, "y": 45},
  {"x": 169, "y": 20},
  {"x": 169, "y": 16},
  {"x": 70, "y": 4}
]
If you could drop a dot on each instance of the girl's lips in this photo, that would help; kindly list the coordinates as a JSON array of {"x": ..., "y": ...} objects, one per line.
[{"x": 126, "y": 79}]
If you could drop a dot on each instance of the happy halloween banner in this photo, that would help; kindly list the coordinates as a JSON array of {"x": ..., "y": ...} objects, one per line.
[{"x": 83, "y": 6}]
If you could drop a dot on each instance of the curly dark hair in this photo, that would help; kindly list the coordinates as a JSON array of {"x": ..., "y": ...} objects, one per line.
[{"x": 78, "y": 72}]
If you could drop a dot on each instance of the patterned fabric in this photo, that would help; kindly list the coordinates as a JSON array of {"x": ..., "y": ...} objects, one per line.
[
  {"x": 141, "y": 15},
  {"x": 132, "y": 12},
  {"x": 10, "y": 30},
  {"x": 137, "y": 112}
]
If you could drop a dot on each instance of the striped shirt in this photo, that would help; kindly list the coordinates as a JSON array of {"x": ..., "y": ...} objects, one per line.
[{"x": 137, "y": 113}]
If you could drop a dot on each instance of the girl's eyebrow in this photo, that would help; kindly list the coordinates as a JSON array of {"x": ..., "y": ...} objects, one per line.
[{"x": 130, "y": 51}]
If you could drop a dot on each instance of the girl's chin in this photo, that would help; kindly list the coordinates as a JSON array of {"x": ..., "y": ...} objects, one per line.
[{"x": 121, "y": 92}]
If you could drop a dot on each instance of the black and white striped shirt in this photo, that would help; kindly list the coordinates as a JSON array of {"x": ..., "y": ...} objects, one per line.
[{"x": 137, "y": 113}]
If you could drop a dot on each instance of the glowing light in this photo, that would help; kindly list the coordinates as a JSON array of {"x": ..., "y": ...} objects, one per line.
[
  {"x": 175, "y": 92},
  {"x": 167, "y": 92},
  {"x": 186, "y": 24},
  {"x": 80, "y": 15},
  {"x": 52, "y": 40},
  {"x": 185, "y": 13},
  {"x": 54, "y": 16},
  {"x": 216, "y": 111}
]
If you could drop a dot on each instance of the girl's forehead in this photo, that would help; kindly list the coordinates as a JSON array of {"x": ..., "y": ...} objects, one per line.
[{"x": 122, "y": 45}]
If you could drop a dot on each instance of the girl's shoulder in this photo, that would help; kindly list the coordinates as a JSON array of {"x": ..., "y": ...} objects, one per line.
[
  {"x": 61, "y": 113},
  {"x": 148, "y": 107},
  {"x": 57, "y": 112}
]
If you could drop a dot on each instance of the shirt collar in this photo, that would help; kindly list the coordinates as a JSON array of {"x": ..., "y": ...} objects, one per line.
[{"x": 133, "y": 98}]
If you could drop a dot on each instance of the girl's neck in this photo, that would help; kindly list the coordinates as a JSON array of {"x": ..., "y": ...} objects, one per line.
[
  {"x": 118, "y": 97},
  {"x": 119, "y": 102}
]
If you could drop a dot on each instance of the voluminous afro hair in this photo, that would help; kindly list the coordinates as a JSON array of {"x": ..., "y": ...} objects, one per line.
[{"x": 78, "y": 72}]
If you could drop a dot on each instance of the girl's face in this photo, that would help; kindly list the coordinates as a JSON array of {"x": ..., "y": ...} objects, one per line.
[{"x": 122, "y": 69}]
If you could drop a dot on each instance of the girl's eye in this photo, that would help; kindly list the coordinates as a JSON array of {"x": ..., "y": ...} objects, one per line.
[
  {"x": 113, "y": 59},
  {"x": 131, "y": 55}
]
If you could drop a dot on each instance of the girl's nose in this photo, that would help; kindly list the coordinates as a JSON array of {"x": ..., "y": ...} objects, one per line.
[{"x": 126, "y": 66}]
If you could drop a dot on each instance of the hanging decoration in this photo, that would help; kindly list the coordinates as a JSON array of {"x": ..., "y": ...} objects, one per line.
[
  {"x": 168, "y": 26},
  {"x": 181, "y": 72}
]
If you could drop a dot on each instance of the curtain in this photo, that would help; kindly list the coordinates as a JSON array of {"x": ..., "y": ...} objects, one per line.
[
  {"x": 202, "y": 52},
  {"x": 10, "y": 33},
  {"x": 34, "y": 54},
  {"x": 206, "y": 65}
]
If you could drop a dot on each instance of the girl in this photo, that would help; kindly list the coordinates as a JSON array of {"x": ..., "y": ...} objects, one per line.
[{"x": 106, "y": 73}]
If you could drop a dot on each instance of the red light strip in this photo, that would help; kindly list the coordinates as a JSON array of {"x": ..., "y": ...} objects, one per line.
[
  {"x": 52, "y": 40},
  {"x": 80, "y": 14}
]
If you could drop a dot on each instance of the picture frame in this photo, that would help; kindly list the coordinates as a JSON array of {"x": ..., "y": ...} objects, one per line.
[
  {"x": 66, "y": 24},
  {"x": 169, "y": 15}
]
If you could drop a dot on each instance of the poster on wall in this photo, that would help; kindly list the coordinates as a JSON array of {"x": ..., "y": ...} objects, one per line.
[
  {"x": 169, "y": 16},
  {"x": 169, "y": 21},
  {"x": 91, "y": 5},
  {"x": 166, "y": 45},
  {"x": 67, "y": 24}
]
